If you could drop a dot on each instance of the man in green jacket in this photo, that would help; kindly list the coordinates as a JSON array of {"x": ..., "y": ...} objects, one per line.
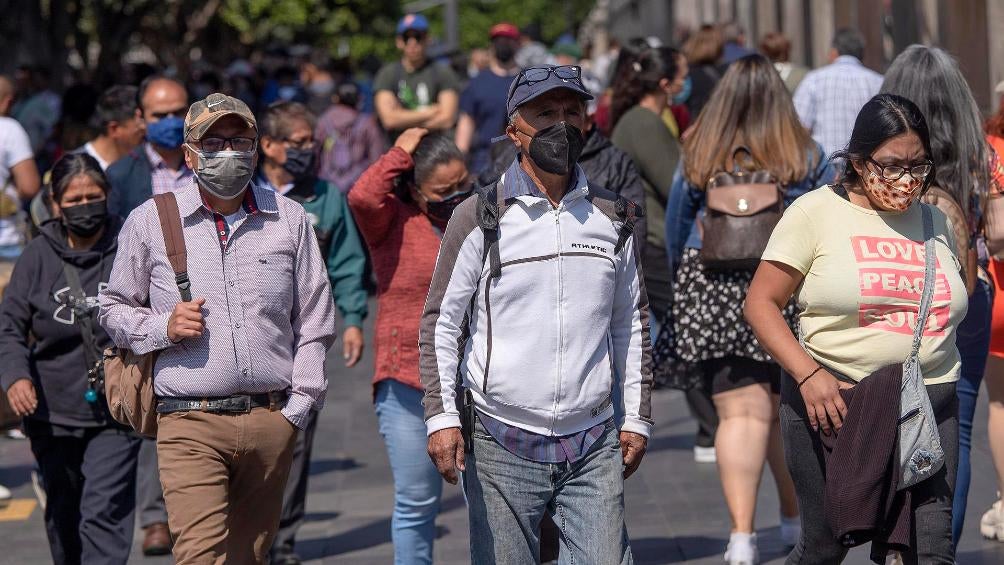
[{"x": 288, "y": 166}]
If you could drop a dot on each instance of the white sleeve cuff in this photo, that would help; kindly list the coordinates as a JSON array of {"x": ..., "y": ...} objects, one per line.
[
  {"x": 640, "y": 427},
  {"x": 441, "y": 422}
]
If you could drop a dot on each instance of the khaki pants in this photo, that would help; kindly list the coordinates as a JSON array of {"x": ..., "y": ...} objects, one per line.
[{"x": 223, "y": 477}]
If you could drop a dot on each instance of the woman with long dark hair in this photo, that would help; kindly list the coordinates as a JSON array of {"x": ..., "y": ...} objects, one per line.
[
  {"x": 639, "y": 99},
  {"x": 402, "y": 204},
  {"x": 849, "y": 255},
  {"x": 50, "y": 365},
  {"x": 750, "y": 114},
  {"x": 930, "y": 78}
]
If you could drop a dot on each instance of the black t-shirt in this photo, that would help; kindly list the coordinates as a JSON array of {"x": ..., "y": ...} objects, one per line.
[{"x": 418, "y": 89}]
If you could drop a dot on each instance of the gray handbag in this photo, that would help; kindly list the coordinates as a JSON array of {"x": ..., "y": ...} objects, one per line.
[{"x": 920, "y": 452}]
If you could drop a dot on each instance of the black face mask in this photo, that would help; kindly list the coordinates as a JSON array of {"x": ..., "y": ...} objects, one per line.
[
  {"x": 442, "y": 210},
  {"x": 85, "y": 219},
  {"x": 505, "y": 52},
  {"x": 301, "y": 163},
  {"x": 557, "y": 148}
]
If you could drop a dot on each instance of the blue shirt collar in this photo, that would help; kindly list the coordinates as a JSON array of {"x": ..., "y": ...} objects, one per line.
[{"x": 516, "y": 182}]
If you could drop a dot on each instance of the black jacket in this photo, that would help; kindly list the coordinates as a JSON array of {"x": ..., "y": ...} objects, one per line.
[
  {"x": 604, "y": 165},
  {"x": 38, "y": 334}
]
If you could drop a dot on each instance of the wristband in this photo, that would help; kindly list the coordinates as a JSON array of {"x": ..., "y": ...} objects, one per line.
[{"x": 812, "y": 374}]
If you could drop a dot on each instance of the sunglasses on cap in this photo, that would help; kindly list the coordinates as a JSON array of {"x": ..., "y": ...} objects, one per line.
[{"x": 534, "y": 75}]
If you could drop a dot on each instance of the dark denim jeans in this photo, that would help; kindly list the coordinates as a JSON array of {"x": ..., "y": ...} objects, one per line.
[{"x": 973, "y": 341}]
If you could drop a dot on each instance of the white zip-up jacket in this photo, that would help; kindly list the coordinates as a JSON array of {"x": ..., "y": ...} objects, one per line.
[{"x": 565, "y": 322}]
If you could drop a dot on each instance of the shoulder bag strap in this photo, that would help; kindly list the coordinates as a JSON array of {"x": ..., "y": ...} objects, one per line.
[
  {"x": 82, "y": 315},
  {"x": 174, "y": 241},
  {"x": 927, "y": 297}
]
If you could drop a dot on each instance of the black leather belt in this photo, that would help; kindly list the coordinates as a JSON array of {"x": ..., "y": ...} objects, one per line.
[{"x": 236, "y": 404}]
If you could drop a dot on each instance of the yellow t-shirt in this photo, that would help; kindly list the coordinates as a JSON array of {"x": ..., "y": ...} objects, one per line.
[{"x": 864, "y": 274}]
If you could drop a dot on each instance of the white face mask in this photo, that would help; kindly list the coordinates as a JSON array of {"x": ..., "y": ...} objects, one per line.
[
  {"x": 224, "y": 174},
  {"x": 894, "y": 196}
]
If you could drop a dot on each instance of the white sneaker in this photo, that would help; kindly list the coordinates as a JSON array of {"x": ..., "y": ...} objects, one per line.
[
  {"x": 705, "y": 454},
  {"x": 992, "y": 523},
  {"x": 16, "y": 433},
  {"x": 894, "y": 558},
  {"x": 4, "y": 496},
  {"x": 36, "y": 485},
  {"x": 742, "y": 550},
  {"x": 791, "y": 531}
]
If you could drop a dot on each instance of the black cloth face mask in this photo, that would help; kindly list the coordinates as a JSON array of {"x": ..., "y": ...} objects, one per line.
[
  {"x": 301, "y": 163},
  {"x": 557, "y": 148},
  {"x": 85, "y": 220}
]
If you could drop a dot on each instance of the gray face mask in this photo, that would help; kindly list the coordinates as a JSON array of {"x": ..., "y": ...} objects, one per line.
[{"x": 224, "y": 174}]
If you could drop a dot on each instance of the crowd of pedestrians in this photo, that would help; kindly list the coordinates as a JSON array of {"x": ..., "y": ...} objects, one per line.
[{"x": 811, "y": 256}]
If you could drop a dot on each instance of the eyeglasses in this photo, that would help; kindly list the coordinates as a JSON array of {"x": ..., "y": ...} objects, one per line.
[
  {"x": 532, "y": 76},
  {"x": 213, "y": 144},
  {"x": 896, "y": 172},
  {"x": 307, "y": 143}
]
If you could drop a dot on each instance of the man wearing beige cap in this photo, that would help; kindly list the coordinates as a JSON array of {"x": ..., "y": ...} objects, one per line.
[{"x": 241, "y": 365}]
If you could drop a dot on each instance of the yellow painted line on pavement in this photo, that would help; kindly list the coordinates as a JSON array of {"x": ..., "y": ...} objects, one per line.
[{"x": 18, "y": 510}]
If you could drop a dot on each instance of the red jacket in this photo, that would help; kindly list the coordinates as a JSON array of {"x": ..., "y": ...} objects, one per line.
[{"x": 403, "y": 246}]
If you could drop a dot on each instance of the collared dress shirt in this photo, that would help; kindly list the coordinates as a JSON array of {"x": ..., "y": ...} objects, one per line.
[
  {"x": 828, "y": 100},
  {"x": 163, "y": 178},
  {"x": 269, "y": 316}
]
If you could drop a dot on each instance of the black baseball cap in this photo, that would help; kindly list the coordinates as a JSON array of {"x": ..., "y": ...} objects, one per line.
[{"x": 535, "y": 81}]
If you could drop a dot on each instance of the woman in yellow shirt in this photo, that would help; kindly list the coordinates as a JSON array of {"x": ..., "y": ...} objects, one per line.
[{"x": 852, "y": 256}]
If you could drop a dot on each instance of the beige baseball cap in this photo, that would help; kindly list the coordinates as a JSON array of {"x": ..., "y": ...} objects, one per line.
[{"x": 204, "y": 113}]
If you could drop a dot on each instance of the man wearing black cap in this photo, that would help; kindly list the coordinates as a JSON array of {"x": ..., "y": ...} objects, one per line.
[
  {"x": 240, "y": 349},
  {"x": 536, "y": 312},
  {"x": 415, "y": 92}
]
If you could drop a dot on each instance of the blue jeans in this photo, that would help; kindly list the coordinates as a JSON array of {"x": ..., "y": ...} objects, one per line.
[
  {"x": 417, "y": 484},
  {"x": 507, "y": 497},
  {"x": 973, "y": 340}
]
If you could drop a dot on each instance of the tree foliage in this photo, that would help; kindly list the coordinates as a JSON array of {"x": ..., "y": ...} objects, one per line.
[{"x": 93, "y": 36}]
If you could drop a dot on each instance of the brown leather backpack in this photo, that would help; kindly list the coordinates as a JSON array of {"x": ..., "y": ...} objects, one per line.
[
  {"x": 128, "y": 375},
  {"x": 741, "y": 210}
]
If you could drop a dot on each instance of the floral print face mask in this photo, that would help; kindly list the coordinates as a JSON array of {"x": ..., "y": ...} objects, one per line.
[{"x": 893, "y": 196}]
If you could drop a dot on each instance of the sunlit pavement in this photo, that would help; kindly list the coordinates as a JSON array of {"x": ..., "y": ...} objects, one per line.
[{"x": 675, "y": 508}]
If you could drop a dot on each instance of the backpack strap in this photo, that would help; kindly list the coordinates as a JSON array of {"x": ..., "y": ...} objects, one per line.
[
  {"x": 491, "y": 206},
  {"x": 174, "y": 241},
  {"x": 625, "y": 211}
]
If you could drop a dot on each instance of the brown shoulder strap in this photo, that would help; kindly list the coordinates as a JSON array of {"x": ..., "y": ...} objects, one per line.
[{"x": 174, "y": 241}]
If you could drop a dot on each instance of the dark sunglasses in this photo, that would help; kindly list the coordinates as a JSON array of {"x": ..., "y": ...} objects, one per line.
[
  {"x": 532, "y": 76},
  {"x": 409, "y": 35},
  {"x": 918, "y": 171}
]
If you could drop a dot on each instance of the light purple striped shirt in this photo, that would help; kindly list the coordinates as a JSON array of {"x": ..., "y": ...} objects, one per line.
[{"x": 269, "y": 315}]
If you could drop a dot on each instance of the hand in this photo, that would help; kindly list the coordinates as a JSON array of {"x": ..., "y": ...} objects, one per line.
[
  {"x": 446, "y": 448},
  {"x": 409, "y": 139},
  {"x": 823, "y": 403},
  {"x": 352, "y": 345},
  {"x": 633, "y": 448},
  {"x": 186, "y": 320},
  {"x": 22, "y": 398}
]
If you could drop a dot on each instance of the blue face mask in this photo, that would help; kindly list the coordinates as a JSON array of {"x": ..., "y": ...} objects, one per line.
[
  {"x": 683, "y": 95},
  {"x": 168, "y": 132}
]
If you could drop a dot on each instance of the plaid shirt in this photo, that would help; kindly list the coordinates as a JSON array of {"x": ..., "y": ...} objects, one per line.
[
  {"x": 269, "y": 315},
  {"x": 828, "y": 100},
  {"x": 541, "y": 448},
  {"x": 163, "y": 178}
]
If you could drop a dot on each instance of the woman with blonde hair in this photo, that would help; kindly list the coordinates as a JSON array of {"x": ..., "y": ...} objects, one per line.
[{"x": 750, "y": 113}]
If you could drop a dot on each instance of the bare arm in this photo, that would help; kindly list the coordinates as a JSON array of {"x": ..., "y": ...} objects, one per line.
[
  {"x": 771, "y": 289},
  {"x": 465, "y": 133},
  {"x": 447, "y": 103},
  {"x": 394, "y": 117},
  {"x": 26, "y": 179}
]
